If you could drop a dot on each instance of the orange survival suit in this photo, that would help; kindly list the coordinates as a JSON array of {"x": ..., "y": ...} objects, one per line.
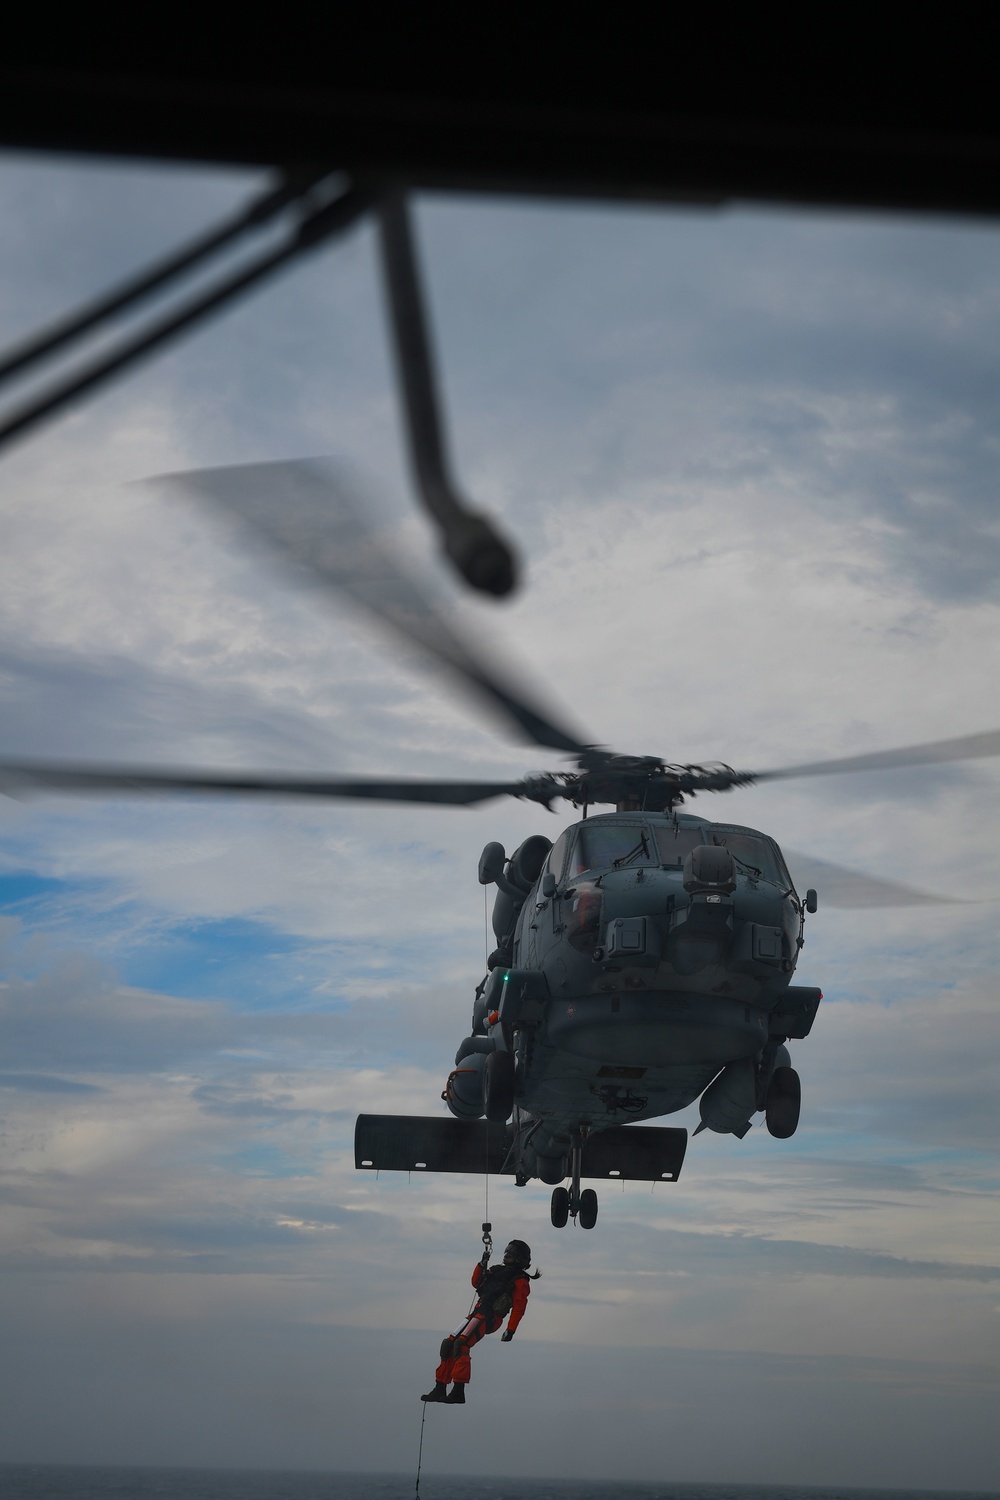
[{"x": 502, "y": 1290}]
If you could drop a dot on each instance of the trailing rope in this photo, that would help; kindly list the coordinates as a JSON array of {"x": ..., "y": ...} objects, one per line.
[{"x": 420, "y": 1450}]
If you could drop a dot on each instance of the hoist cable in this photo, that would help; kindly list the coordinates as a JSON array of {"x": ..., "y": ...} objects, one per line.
[
  {"x": 486, "y": 1176},
  {"x": 484, "y": 1262}
]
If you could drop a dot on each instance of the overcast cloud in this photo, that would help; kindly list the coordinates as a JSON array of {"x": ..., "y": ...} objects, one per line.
[{"x": 750, "y": 459}]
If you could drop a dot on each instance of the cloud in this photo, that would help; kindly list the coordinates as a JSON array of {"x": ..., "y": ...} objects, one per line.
[
  {"x": 45, "y": 1083},
  {"x": 848, "y": 360},
  {"x": 75, "y": 1017},
  {"x": 702, "y": 1254},
  {"x": 112, "y": 708}
]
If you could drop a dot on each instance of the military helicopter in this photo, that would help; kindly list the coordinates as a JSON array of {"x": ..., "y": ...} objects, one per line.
[{"x": 644, "y": 959}]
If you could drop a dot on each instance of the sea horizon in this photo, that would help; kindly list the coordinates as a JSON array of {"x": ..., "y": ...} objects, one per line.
[{"x": 92, "y": 1481}]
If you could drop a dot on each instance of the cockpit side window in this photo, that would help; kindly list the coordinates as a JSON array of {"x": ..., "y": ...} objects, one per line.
[
  {"x": 784, "y": 878},
  {"x": 557, "y": 855},
  {"x": 611, "y": 846}
]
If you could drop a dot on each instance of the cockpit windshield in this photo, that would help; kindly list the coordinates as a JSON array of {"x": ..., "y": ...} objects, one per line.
[
  {"x": 674, "y": 842},
  {"x": 619, "y": 846},
  {"x": 611, "y": 846},
  {"x": 753, "y": 855}
]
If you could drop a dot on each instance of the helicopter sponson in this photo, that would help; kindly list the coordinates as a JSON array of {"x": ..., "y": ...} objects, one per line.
[{"x": 643, "y": 961}]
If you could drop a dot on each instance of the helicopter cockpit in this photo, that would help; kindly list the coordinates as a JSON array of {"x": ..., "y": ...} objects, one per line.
[
  {"x": 622, "y": 845},
  {"x": 637, "y": 868},
  {"x": 618, "y": 845}
]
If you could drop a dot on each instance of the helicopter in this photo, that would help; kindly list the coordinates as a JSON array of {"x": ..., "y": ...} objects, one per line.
[{"x": 645, "y": 959}]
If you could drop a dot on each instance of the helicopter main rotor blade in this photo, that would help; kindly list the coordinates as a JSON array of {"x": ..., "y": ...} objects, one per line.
[
  {"x": 839, "y": 886},
  {"x": 18, "y": 777},
  {"x": 305, "y": 510},
  {"x": 939, "y": 752}
]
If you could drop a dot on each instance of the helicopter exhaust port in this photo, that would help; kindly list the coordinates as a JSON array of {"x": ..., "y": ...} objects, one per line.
[{"x": 514, "y": 879}]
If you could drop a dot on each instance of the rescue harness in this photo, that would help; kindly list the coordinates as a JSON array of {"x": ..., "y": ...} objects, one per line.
[{"x": 495, "y": 1292}]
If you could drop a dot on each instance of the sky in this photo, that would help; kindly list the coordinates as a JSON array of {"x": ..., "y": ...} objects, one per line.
[{"x": 750, "y": 460}]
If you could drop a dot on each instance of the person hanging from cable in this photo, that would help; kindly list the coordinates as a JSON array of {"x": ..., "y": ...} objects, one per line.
[{"x": 499, "y": 1290}]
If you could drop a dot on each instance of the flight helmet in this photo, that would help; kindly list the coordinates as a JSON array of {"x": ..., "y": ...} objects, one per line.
[{"x": 519, "y": 1253}]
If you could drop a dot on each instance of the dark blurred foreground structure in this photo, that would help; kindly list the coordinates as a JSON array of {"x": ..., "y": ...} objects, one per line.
[
  {"x": 642, "y": 106},
  {"x": 355, "y": 108}
]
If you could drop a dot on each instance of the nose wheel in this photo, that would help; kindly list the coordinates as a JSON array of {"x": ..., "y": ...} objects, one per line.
[{"x": 571, "y": 1202}]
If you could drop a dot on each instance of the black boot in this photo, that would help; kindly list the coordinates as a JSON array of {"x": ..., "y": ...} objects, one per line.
[
  {"x": 439, "y": 1393},
  {"x": 456, "y": 1396}
]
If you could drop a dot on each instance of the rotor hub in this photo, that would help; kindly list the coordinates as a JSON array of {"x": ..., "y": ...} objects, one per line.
[{"x": 631, "y": 783}]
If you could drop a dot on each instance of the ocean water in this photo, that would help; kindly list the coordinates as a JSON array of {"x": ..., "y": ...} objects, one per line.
[{"x": 63, "y": 1482}]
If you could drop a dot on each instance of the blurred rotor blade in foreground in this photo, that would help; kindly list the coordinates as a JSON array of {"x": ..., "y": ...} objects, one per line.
[
  {"x": 17, "y": 777},
  {"x": 838, "y": 886},
  {"x": 939, "y": 752},
  {"x": 305, "y": 509}
]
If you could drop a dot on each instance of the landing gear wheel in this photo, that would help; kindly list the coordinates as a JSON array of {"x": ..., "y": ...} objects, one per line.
[
  {"x": 784, "y": 1100},
  {"x": 498, "y": 1093},
  {"x": 560, "y": 1207},
  {"x": 588, "y": 1208}
]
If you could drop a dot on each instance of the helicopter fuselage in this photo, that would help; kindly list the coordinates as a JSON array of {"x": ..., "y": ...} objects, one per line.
[{"x": 643, "y": 960}]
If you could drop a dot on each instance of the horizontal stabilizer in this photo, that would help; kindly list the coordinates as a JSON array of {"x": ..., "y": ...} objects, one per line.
[
  {"x": 413, "y": 1143},
  {"x": 644, "y": 1153}
]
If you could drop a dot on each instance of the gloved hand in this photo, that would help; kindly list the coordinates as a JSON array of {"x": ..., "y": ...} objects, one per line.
[{"x": 506, "y": 1336}]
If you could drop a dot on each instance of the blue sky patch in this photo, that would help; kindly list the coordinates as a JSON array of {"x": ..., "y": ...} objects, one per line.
[
  {"x": 19, "y": 886},
  {"x": 266, "y": 1159}
]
